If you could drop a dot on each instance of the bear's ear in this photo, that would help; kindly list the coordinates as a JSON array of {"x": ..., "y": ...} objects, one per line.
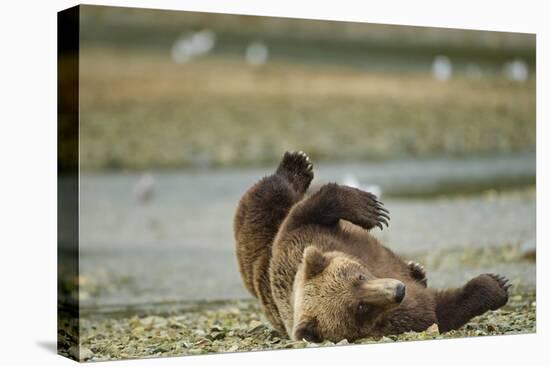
[
  {"x": 314, "y": 262},
  {"x": 307, "y": 329}
]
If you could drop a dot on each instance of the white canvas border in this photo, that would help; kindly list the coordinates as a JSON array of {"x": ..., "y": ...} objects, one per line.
[{"x": 28, "y": 190}]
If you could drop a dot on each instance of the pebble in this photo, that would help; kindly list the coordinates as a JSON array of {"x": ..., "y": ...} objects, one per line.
[
  {"x": 202, "y": 343},
  {"x": 217, "y": 335},
  {"x": 80, "y": 353},
  {"x": 434, "y": 329},
  {"x": 156, "y": 321},
  {"x": 255, "y": 326},
  {"x": 233, "y": 348}
]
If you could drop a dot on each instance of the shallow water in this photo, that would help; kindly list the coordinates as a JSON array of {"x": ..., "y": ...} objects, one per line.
[{"x": 179, "y": 245}]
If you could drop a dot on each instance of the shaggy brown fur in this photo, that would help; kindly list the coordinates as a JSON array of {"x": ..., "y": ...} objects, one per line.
[{"x": 319, "y": 274}]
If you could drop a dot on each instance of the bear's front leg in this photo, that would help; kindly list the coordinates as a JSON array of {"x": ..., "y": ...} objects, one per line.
[
  {"x": 334, "y": 202},
  {"x": 456, "y": 307}
]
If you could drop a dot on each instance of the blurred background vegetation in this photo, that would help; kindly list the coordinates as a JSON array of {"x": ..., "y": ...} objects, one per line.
[{"x": 163, "y": 89}]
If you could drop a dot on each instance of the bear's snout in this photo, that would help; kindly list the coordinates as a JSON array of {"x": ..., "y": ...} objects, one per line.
[{"x": 383, "y": 292}]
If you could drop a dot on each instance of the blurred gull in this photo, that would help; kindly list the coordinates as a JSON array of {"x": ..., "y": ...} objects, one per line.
[
  {"x": 192, "y": 45},
  {"x": 144, "y": 189},
  {"x": 516, "y": 70},
  {"x": 352, "y": 181},
  {"x": 442, "y": 68},
  {"x": 203, "y": 42},
  {"x": 256, "y": 53}
]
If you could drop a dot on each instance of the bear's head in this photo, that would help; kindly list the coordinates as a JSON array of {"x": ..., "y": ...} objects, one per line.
[{"x": 336, "y": 297}]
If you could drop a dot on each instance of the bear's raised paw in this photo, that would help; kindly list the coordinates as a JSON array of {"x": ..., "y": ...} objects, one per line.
[{"x": 297, "y": 168}]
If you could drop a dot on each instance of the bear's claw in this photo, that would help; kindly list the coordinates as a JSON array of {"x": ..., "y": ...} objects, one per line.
[
  {"x": 297, "y": 168},
  {"x": 418, "y": 272},
  {"x": 375, "y": 215},
  {"x": 502, "y": 281}
]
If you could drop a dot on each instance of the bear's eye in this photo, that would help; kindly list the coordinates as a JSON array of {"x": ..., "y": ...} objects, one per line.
[{"x": 361, "y": 278}]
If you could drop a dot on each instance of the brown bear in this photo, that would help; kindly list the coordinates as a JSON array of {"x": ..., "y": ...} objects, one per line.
[{"x": 320, "y": 275}]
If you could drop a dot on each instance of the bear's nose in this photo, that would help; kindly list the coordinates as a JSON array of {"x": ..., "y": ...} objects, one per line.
[{"x": 400, "y": 292}]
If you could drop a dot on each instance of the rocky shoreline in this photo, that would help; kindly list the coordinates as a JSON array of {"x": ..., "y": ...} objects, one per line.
[{"x": 239, "y": 326}]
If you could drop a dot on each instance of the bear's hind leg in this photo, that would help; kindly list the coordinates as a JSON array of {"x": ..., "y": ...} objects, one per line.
[
  {"x": 261, "y": 211},
  {"x": 456, "y": 307},
  {"x": 259, "y": 214}
]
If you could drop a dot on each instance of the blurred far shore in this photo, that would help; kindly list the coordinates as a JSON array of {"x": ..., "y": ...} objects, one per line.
[{"x": 170, "y": 89}]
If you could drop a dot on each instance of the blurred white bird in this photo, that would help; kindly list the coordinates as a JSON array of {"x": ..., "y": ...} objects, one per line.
[
  {"x": 256, "y": 53},
  {"x": 516, "y": 70},
  {"x": 352, "y": 181},
  {"x": 144, "y": 189},
  {"x": 193, "y": 45},
  {"x": 442, "y": 68}
]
